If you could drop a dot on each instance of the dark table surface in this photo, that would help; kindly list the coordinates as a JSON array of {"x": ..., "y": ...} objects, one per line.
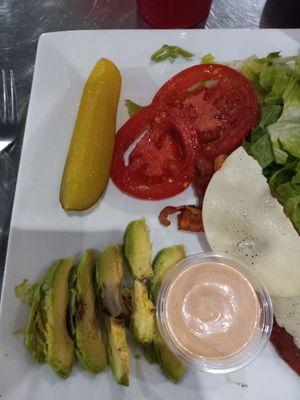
[{"x": 22, "y": 22}]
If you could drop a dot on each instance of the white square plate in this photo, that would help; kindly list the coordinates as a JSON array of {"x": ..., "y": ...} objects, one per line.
[{"x": 41, "y": 231}]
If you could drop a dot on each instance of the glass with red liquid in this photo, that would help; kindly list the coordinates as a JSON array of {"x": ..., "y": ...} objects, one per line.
[{"x": 174, "y": 13}]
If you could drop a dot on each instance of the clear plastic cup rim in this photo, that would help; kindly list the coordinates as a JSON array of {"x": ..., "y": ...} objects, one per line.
[{"x": 250, "y": 352}]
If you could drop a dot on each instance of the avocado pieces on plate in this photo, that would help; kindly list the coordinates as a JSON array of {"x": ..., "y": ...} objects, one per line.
[{"x": 84, "y": 309}]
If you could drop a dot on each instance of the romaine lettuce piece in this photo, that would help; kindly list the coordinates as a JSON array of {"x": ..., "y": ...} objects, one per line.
[
  {"x": 285, "y": 133},
  {"x": 261, "y": 146},
  {"x": 262, "y": 151},
  {"x": 208, "y": 59},
  {"x": 292, "y": 208}
]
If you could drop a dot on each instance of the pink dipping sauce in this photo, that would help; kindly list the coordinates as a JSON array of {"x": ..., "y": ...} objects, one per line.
[{"x": 211, "y": 310}]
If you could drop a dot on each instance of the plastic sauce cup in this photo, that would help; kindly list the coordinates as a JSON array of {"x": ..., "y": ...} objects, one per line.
[{"x": 213, "y": 313}]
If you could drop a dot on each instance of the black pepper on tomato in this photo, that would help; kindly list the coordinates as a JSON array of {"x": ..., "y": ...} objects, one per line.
[{"x": 202, "y": 112}]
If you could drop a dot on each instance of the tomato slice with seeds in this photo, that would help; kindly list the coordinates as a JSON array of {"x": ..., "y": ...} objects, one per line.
[
  {"x": 218, "y": 104},
  {"x": 202, "y": 112},
  {"x": 152, "y": 157}
]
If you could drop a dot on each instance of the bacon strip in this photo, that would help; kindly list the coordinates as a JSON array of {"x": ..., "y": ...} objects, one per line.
[
  {"x": 189, "y": 217},
  {"x": 285, "y": 346}
]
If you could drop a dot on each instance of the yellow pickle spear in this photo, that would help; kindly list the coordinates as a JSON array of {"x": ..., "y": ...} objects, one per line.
[{"x": 86, "y": 171}]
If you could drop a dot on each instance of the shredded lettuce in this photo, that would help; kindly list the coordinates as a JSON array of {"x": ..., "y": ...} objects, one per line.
[
  {"x": 262, "y": 151},
  {"x": 285, "y": 185},
  {"x": 208, "y": 59},
  {"x": 132, "y": 107},
  {"x": 275, "y": 142},
  {"x": 292, "y": 208},
  {"x": 170, "y": 52},
  {"x": 285, "y": 133},
  {"x": 260, "y": 146},
  {"x": 270, "y": 75},
  {"x": 269, "y": 115}
]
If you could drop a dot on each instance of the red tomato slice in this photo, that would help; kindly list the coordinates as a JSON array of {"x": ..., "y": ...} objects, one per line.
[
  {"x": 200, "y": 113},
  {"x": 160, "y": 163},
  {"x": 218, "y": 104},
  {"x": 285, "y": 346}
]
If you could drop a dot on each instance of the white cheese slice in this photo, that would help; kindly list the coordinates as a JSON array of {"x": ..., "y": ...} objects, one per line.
[
  {"x": 243, "y": 220},
  {"x": 287, "y": 314}
]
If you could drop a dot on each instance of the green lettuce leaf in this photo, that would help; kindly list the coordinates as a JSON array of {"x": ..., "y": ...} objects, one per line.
[
  {"x": 267, "y": 76},
  {"x": 285, "y": 133},
  {"x": 292, "y": 208},
  {"x": 287, "y": 190},
  {"x": 261, "y": 146},
  {"x": 132, "y": 107},
  {"x": 278, "y": 88},
  {"x": 251, "y": 68},
  {"x": 270, "y": 114},
  {"x": 280, "y": 182},
  {"x": 273, "y": 54},
  {"x": 208, "y": 59},
  {"x": 270, "y": 75},
  {"x": 296, "y": 179},
  {"x": 262, "y": 150},
  {"x": 275, "y": 142},
  {"x": 257, "y": 133}
]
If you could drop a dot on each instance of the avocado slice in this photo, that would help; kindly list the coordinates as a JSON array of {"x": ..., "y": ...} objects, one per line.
[
  {"x": 149, "y": 353},
  {"x": 137, "y": 249},
  {"x": 89, "y": 348},
  {"x": 142, "y": 318},
  {"x": 35, "y": 333},
  {"x": 118, "y": 350},
  {"x": 60, "y": 351},
  {"x": 169, "y": 364},
  {"x": 165, "y": 260},
  {"x": 46, "y": 336},
  {"x": 109, "y": 276}
]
